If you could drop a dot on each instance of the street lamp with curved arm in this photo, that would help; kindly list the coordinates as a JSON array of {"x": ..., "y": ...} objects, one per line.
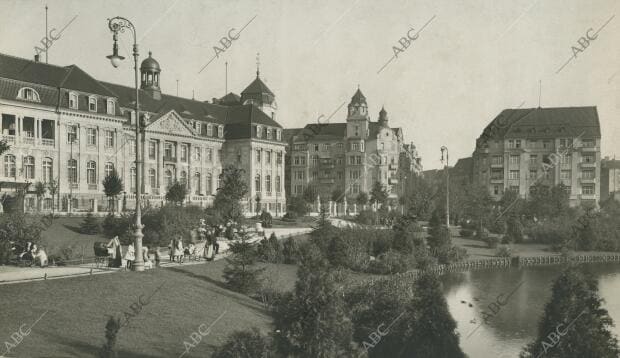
[
  {"x": 445, "y": 149},
  {"x": 120, "y": 24}
]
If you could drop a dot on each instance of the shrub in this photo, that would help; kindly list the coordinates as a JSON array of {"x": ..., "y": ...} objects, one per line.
[
  {"x": 552, "y": 232},
  {"x": 266, "y": 219},
  {"x": 291, "y": 216},
  {"x": 244, "y": 344},
  {"x": 297, "y": 205},
  {"x": 514, "y": 231},
  {"x": 18, "y": 229},
  {"x": 366, "y": 217},
  {"x": 117, "y": 226},
  {"x": 161, "y": 224},
  {"x": 270, "y": 249},
  {"x": 240, "y": 274},
  {"x": 466, "y": 233},
  {"x": 498, "y": 226},
  {"x": 90, "y": 225},
  {"x": 492, "y": 241},
  {"x": 504, "y": 251},
  {"x": 391, "y": 262},
  {"x": 290, "y": 251}
]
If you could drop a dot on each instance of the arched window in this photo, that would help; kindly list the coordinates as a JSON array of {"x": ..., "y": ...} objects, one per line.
[
  {"x": 91, "y": 172},
  {"x": 9, "y": 166},
  {"x": 257, "y": 183},
  {"x": 109, "y": 168},
  {"x": 220, "y": 131},
  {"x": 28, "y": 94},
  {"x": 132, "y": 179},
  {"x": 183, "y": 178},
  {"x": 268, "y": 183},
  {"x": 197, "y": 183},
  {"x": 72, "y": 172},
  {"x": 153, "y": 178},
  {"x": 209, "y": 184},
  {"x": 48, "y": 170},
  {"x": 219, "y": 181},
  {"x": 168, "y": 175},
  {"x": 278, "y": 189},
  {"x": 29, "y": 167}
]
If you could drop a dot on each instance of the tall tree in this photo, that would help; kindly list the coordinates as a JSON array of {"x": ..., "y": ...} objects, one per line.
[
  {"x": 379, "y": 193},
  {"x": 52, "y": 186},
  {"x": 112, "y": 187},
  {"x": 229, "y": 195},
  {"x": 39, "y": 190},
  {"x": 574, "y": 323},
  {"x": 240, "y": 273},
  {"x": 176, "y": 193},
  {"x": 362, "y": 198}
]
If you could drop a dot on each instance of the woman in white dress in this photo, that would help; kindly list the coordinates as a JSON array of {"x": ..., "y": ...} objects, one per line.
[
  {"x": 178, "y": 249},
  {"x": 130, "y": 256}
]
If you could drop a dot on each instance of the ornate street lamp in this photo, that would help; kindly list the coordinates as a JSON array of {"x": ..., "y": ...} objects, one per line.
[
  {"x": 445, "y": 149},
  {"x": 116, "y": 25}
]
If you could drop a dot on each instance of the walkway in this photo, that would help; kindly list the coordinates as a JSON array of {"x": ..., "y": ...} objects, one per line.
[{"x": 14, "y": 274}]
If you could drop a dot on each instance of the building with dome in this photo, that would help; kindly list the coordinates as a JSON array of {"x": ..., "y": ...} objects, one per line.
[
  {"x": 65, "y": 126},
  {"x": 349, "y": 157}
]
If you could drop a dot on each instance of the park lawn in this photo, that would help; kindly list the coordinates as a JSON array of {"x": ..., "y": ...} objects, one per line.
[
  {"x": 78, "y": 308},
  {"x": 64, "y": 232}
]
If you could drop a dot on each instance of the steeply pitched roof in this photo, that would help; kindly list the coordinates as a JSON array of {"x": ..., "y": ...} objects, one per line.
[
  {"x": 358, "y": 97},
  {"x": 257, "y": 86},
  {"x": 21, "y": 69}
]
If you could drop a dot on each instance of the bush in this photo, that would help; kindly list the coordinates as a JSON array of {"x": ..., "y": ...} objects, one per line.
[
  {"x": 266, "y": 219},
  {"x": 291, "y": 216},
  {"x": 466, "y": 233},
  {"x": 290, "y": 251},
  {"x": 244, "y": 344},
  {"x": 514, "y": 231},
  {"x": 504, "y": 251},
  {"x": 366, "y": 217},
  {"x": 492, "y": 241},
  {"x": 118, "y": 226},
  {"x": 297, "y": 205},
  {"x": 240, "y": 274},
  {"x": 270, "y": 250},
  {"x": 90, "y": 225},
  {"x": 555, "y": 232},
  {"x": 17, "y": 229},
  {"x": 161, "y": 224},
  {"x": 391, "y": 262},
  {"x": 498, "y": 227}
]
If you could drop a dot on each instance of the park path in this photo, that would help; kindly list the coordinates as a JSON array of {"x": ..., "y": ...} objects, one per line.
[{"x": 14, "y": 274}]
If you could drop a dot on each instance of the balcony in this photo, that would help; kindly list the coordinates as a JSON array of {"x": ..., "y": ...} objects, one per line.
[
  {"x": 92, "y": 186},
  {"x": 327, "y": 180},
  {"x": 587, "y": 180},
  {"x": 47, "y": 142},
  {"x": 497, "y": 180},
  {"x": 587, "y": 196},
  {"x": 587, "y": 164},
  {"x": 28, "y": 140},
  {"x": 168, "y": 158},
  {"x": 589, "y": 148},
  {"x": 497, "y": 165},
  {"x": 8, "y": 138}
]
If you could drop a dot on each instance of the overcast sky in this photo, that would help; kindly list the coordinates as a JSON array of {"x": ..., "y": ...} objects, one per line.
[{"x": 472, "y": 60}]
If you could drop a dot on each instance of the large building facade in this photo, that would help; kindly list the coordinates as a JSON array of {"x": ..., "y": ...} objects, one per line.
[
  {"x": 348, "y": 157},
  {"x": 64, "y": 126},
  {"x": 550, "y": 146}
]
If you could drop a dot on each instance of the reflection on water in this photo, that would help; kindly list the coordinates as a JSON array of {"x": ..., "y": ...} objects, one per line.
[{"x": 474, "y": 295}]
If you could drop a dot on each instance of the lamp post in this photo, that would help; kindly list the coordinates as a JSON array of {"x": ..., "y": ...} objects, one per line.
[
  {"x": 445, "y": 149},
  {"x": 116, "y": 25}
]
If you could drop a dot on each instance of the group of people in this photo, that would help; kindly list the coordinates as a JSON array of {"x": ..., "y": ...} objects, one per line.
[{"x": 31, "y": 253}]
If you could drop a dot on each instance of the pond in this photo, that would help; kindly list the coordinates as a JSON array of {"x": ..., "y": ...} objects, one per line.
[{"x": 515, "y": 324}]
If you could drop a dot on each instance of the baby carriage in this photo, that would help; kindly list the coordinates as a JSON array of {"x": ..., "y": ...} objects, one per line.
[{"x": 101, "y": 254}]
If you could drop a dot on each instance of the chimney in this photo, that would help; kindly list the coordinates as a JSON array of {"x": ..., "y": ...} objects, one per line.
[{"x": 36, "y": 58}]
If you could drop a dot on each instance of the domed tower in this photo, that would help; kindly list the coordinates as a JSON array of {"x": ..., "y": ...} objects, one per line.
[
  {"x": 260, "y": 95},
  {"x": 150, "y": 77},
  {"x": 357, "y": 118},
  {"x": 383, "y": 118}
]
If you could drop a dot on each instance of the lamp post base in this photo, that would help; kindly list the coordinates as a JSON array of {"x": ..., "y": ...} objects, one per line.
[{"x": 138, "y": 264}]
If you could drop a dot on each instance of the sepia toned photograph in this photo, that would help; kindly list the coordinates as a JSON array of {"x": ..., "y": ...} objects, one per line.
[{"x": 309, "y": 179}]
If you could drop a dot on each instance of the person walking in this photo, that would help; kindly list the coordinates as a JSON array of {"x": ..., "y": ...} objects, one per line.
[
  {"x": 130, "y": 257},
  {"x": 178, "y": 250}
]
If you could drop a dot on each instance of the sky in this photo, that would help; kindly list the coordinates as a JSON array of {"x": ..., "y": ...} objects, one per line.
[{"x": 469, "y": 59}]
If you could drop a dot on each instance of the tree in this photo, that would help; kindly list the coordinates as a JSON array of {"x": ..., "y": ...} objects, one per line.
[
  {"x": 112, "y": 187},
  {"x": 90, "y": 225},
  {"x": 240, "y": 274},
  {"x": 258, "y": 200},
  {"x": 297, "y": 205},
  {"x": 111, "y": 331},
  {"x": 4, "y": 146},
  {"x": 379, "y": 193},
  {"x": 362, "y": 198},
  {"x": 229, "y": 195},
  {"x": 313, "y": 320},
  {"x": 478, "y": 205},
  {"x": 244, "y": 344},
  {"x": 421, "y": 196},
  {"x": 514, "y": 230},
  {"x": 574, "y": 323},
  {"x": 176, "y": 193},
  {"x": 430, "y": 329},
  {"x": 39, "y": 190},
  {"x": 52, "y": 186},
  {"x": 311, "y": 193},
  {"x": 338, "y": 195}
]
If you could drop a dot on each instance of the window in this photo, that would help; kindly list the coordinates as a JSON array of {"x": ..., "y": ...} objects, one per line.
[
  {"x": 358, "y": 160},
  {"x": 497, "y": 190},
  {"x": 73, "y": 100},
  {"x": 29, "y": 167},
  {"x": 533, "y": 174},
  {"x": 168, "y": 177},
  {"x": 299, "y": 175},
  {"x": 587, "y": 174},
  {"x": 109, "y": 139},
  {"x": 132, "y": 180},
  {"x": 514, "y": 160},
  {"x": 355, "y": 189},
  {"x": 279, "y": 158},
  {"x": 238, "y": 156},
  {"x": 152, "y": 149},
  {"x": 257, "y": 183},
  {"x": 199, "y": 127},
  {"x": 268, "y": 133},
  {"x": 514, "y": 188},
  {"x": 567, "y": 189},
  {"x": 566, "y": 158},
  {"x": 259, "y": 132},
  {"x": 209, "y": 130},
  {"x": 497, "y": 174},
  {"x": 47, "y": 170},
  {"x": 589, "y": 143},
  {"x": 340, "y": 146},
  {"x": 511, "y": 143},
  {"x": 587, "y": 189},
  {"x": 183, "y": 178},
  {"x": 355, "y": 147},
  {"x": 197, "y": 183},
  {"x": 209, "y": 184},
  {"x": 258, "y": 156},
  {"x": 168, "y": 150},
  {"x": 497, "y": 160},
  {"x": 110, "y": 107},
  {"x": 28, "y": 94},
  {"x": 91, "y": 172},
  {"x": 209, "y": 153},
  {"x": 92, "y": 104},
  {"x": 153, "y": 178},
  {"x": 354, "y": 174},
  {"x": 132, "y": 146},
  {"x": 546, "y": 144},
  {"x": 72, "y": 133},
  {"x": 91, "y": 136},
  {"x": 9, "y": 166},
  {"x": 278, "y": 184},
  {"x": 296, "y": 160},
  {"x": 316, "y": 147},
  {"x": 278, "y": 134},
  {"x": 513, "y": 174},
  {"x": 357, "y": 129},
  {"x": 184, "y": 153},
  {"x": 197, "y": 153},
  {"x": 588, "y": 158},
  {"x": 315, "y": 160},
  {"x": 220, "y": 131},
  {"x": 352, "y": 160},
  {"x": 518, "y": 143},
  {"x": 315, "y": 175},
  {"x": 339, "y": 175},
  {"x": 268, "y": 184},
  {"x": 268, "y": 157},
  {"x": 108, "y": 169},
  {"x": 72, "y": 172},
  {"x": 326, "y": 147},
  {"x": 533, "y": 160}
]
